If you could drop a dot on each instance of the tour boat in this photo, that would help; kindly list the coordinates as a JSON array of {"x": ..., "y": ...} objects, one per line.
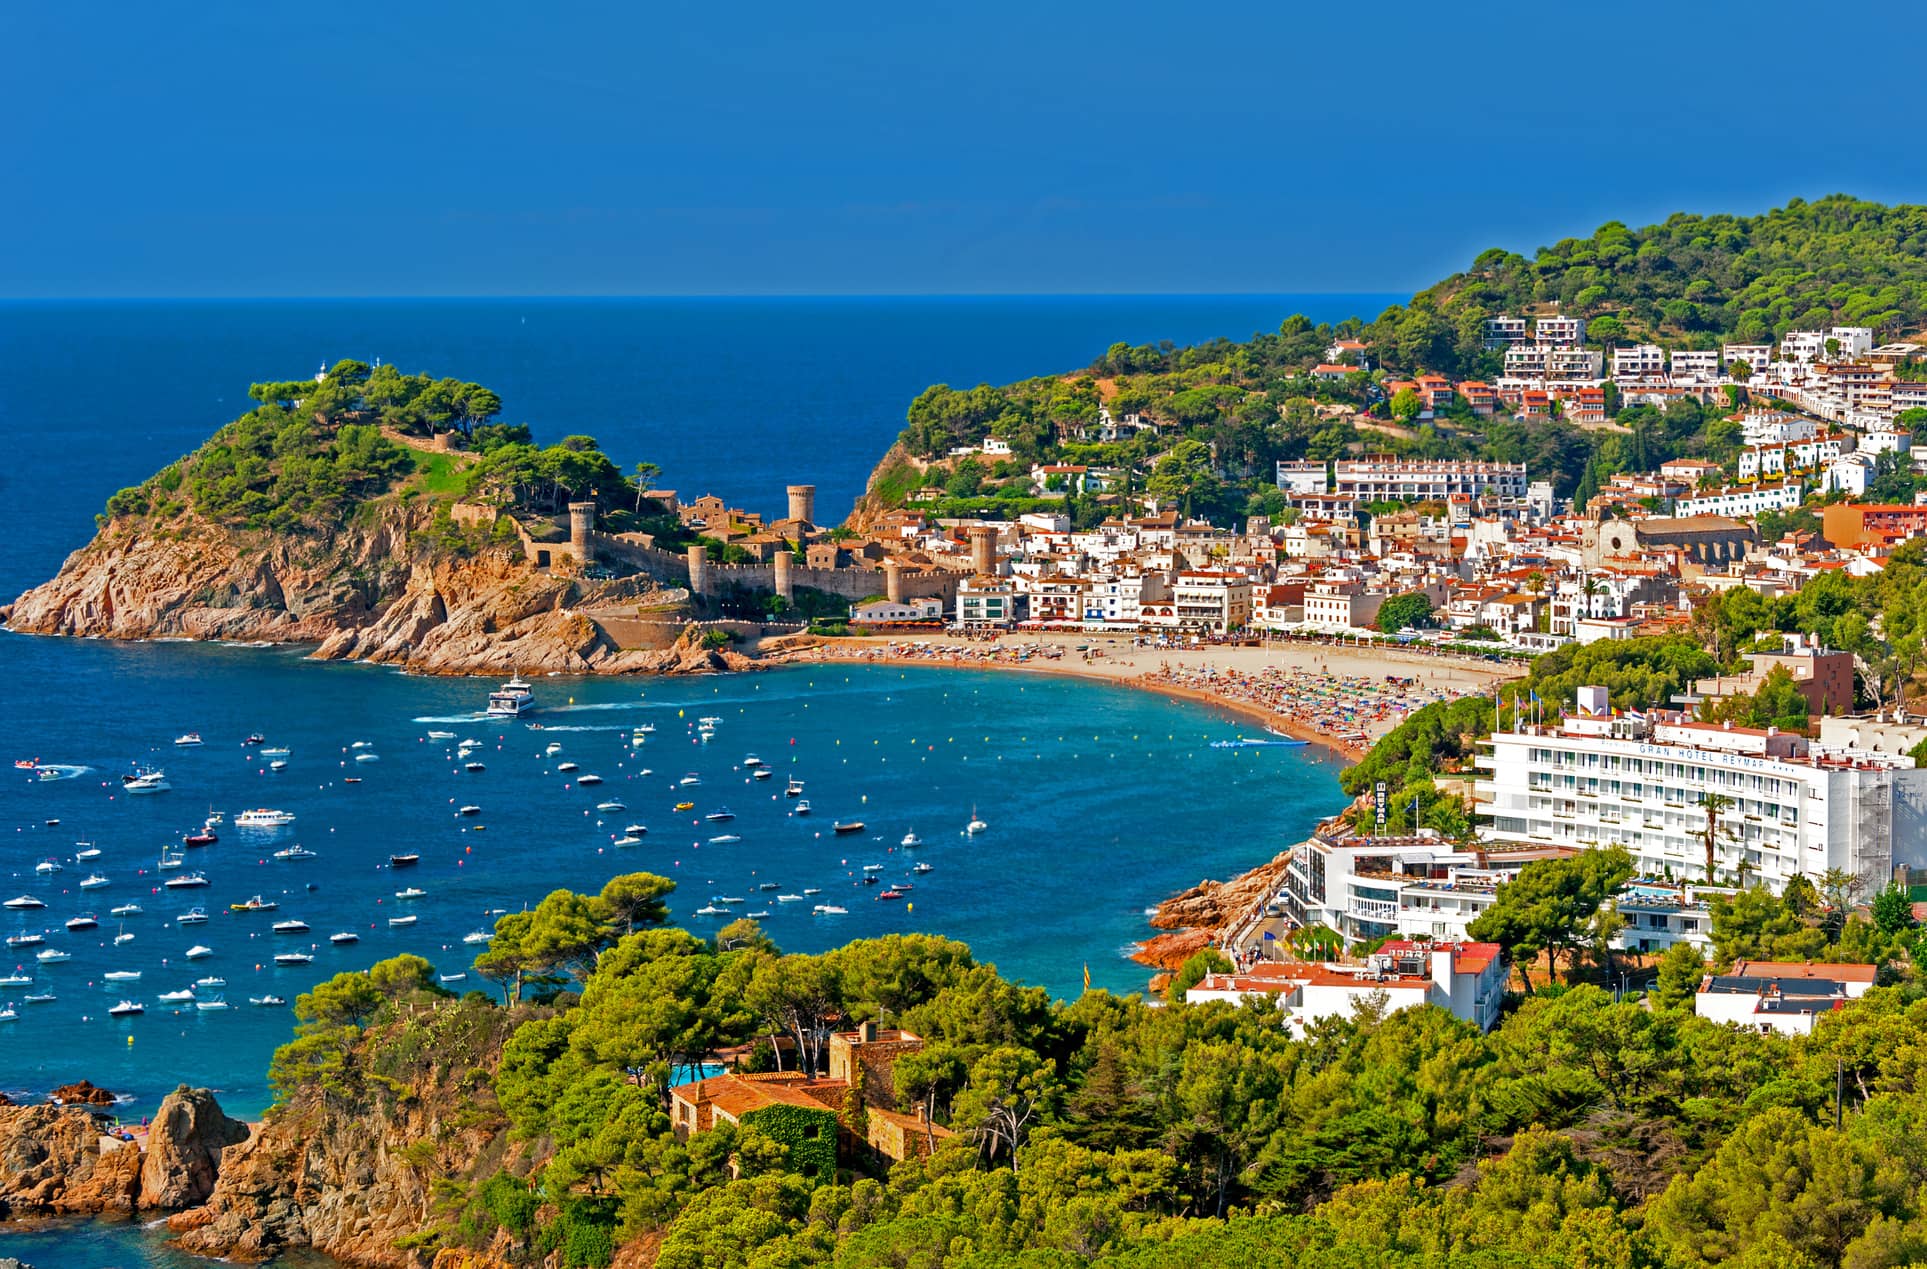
[
  {"x": 199, "y": 952},
  {"x": 254, "y": 904},
  {"x": 474, "y": 768},
  {"x": 211, "y": 980},
  {"x": 126, "y": 1009},
  {"x": 265, "y": 1001},
  {"x": 344, "y": 938},
  {"x": 720, "y": 814},
  {"x": 188, "y": 740},
  {"x": 46, "y": 867},
  {"x": 830, "y": 909},
  {"x": 264, "y": 817},
  {"x": 20, "y": 903},
  {"x": 469, "y": 810},
  {"x": 25, "y": 940},
  {"x": 474, "y": 937},
  {"x": 146, "y": 782},
  {"x": 193, "y": 916},
  {"x": 403, "y": 920},
  {"x": 85, "y": 921},
  {"x": 911, "y": 839},
  {"x": 412, "y": 892},
  {"x": 511, "y": 700},
  {"x": 846, "y": 826},
  {"x": 181, "y": 997},
  {"x": 586, "y": 780},
  {"x": 794, "y": 789},
  {"x": 404, "y": 861},
  {"x": 295, "y": 852},
  {"x": 292, "y": 926},
  {"x": 636, "y": 830},
  {"x": 127, "y": 910},
  {"x": 610, "y": 807},
  {"x": 213, "y": 1003},
  {"x": 92, "y": 881},
  {"x": 52, "y": 956},
  {"x": 802, "y": 807},
  {"x": 293, "y": 958},
  {"x": 121, "y": 976},
  {"x": 16, "y": 980}
]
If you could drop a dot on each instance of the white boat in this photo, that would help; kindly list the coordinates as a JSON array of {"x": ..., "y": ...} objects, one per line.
[
  {"x": 367, "y": 757},
  {"x": 123, "y": 937},
  {"x": 279, "y": 764},
  {"x": 474, "y": 937},
  {"x": 294, "y": 852},
  {"x": 126, "y": 910},
  {"x": 474, "y": 768},
  {"x": 181, "y": 997},
  {"x": 975, "y": 826},
  {"x": 92, "y": 881},
  {"x": 344, "y": 937},
  {"x": 46, "y": 867},
  {"x": 412, "y": 892},
  {"x": 830, "y": 909},
  {"x": 362, "y": 744},
  {"x": 454, "y": 978},
  {"x": 627, "y": 839},
  {"x": 470, "y": 810},
  {"x": 126, "y": 1009},
  {"x": 186, "y": 881},
  {"x": 691, "y": 778},
  {"x": 812, "y": 890},
  {"x": 554, "y": 748},
  {"x": 293, "y": 958},
  {"x": 21, "y": 903},
  {"x": 873, "y": 868},
  {"x": 193, "y": 916},
  {"x": 636, "y": 830},
  {"x": 794, "y": 789},
  {"x": 39, "y": 997},
  {"x": 922, "y": 867},
  {"x": 911, "y": 839},
  {"x": 763, "y": 773},
  {"x": 264, "y": 817},
  {"x": 646, "y": 729},
  {"x": 757, "y": 916},
  {"x": 276, "y": 751},
  {"x": 724, "y": 839},
  {"x": 566, "y": 767},
  {"x": 720, "y": 815},
  {"x": 9, "y": 1014},
  {"x": 214, "y": 1003},
  {"x": 171, "y": 859},
  {"x": 210, "y": 981},
  {"x": 199, "y": 952},
  {"x": 610, "y": 807},
  {"x": 586, "y": 780},
  {"x": 85, "y": 921},
  {"x": 789, "y": 898},
  {"x": 291, "y": 926},
  {"x": 121, "y": 976},
  {"x": 403, "y": 920},
  {"x": 146, "y": 782},
  {"x": 511, "y": 700},
  {"x": 710, "y": 909},
  {"x": 189, "y": 740},
  {"x": 751, "y": 760},
  {"x": 17, "y": 980},
  {"x": 441, "y": 735},
  {"x": 85, "y": 852},
  {"x": 264, "y": 1002},
  {"x": 709, "y": 721},
  {"x": 25, "y": 940}
]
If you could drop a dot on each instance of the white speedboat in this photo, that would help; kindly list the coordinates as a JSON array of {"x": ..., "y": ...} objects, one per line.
[
  {"x": 566, "y": 767},
  {"x": 211, "y": 980},
  {"x": 802, "y": 807},
  {"x": 181, "y": 997},
  {"x": 294, "y": 852},
  {"x": 21, "y": 903},
  {"x": 344, "y": 937},
  {"x": 724, "y": 839},
  {"x": 627, "y": 839},
  {"x": 645, "y": 729},
  {"x": 17, "y": 980},
  {"x": 92, "y": 881},
  {"x": 85, "y": 852},
  {"x": 911, "y": 839},
  {"x": 470, "y": 810},
  {"x": 278, "y": 764},
  {"x": 474, "y": 937},
  {"x": 121, "y": 976},
  {"x": 25, "y": 940},
  {"x": 411, "y": 892},
  {"x": 362, "y": 744},
  {"x": 752, "y": 761},
  {"x": 46, "y": 867},
  {"x": 146, "y": 782},
  {"x": 186, "y": 881},
  {"x": 213, "y": 1003},
  {"x": 199, "y": 952},
  {"x": 193, "y": 916},
  {"x": 511, "y": 700},
  {"x": 126, "y": 1009},
  {"x": 293, "y": 925},
  {"x": 710, "y": 909},
  {"x": 720, "y": 815},
  {"x": 39, "y": 997},
  {"x": 923, "y": 867},
  {"x": 553, "y": 748},
  {"x": 264, "y": 817},
  {"x": 691, "y": 778},
  {"x": 830, "y": 909},
  {"x": 403, "y": 920},
  {"x": 266, "y": 1002},
  {"x": 123, "y": 937},
  {"x": 789, "y": 898},
  {"x": 454, "y": 978},
  {"x": 367, "y": 757},
  {"x": 812, "y": 890},
  {"x": 758, "y": 916},
  {"x": 610, "y": 807},
  {"x": 441, "y": 735},
  {"x": 636, "y": 830},
  {"x": 126, "y": 910},
  {"x": 587, "y": 780},
  {"x": 85, "y": 921},
  {"x": 276, "y": 751},
  {"x": 188, "y": 740},
  {"x": 293, "y": 958},
  {"x": 763, "y": 773}
]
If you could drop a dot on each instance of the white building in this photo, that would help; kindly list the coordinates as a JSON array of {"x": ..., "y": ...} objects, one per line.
[
  {"x": 1212, "y": 600},
  {"x": 1756, "y": 356},
  {"x": 1502, "y": 330},
  {"x": 1465, "y": 979},
  {"x": 1382, "y": 478},
  {"x": 1639, "y": 362},
  {"x": 884, "y": 611},
  {"x": 987, "y": 603},
  {"x": 1694, "y": 365},
  {"x": 1742, "y": 502},
  {"x": 1599, "y": 778},
  {"x": 1780, "y": 996},
  {"x": 1560, "y": 332},
  {"x": 1773, "y": 428}
]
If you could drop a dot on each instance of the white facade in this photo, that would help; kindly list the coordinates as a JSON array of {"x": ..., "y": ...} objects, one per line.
[
  {"x": 1381, "y": 478},
  {"x": 1694, "y": 366},
  {"x": 1741, "y": 503},
  {"x": 1778, "y": 998},
  {"x": 1217, "y": 601},
  {"x": 1465, "y": 979},
  {"x": 1560, "y": 332},
  {"x": 1640, "y": 361}
]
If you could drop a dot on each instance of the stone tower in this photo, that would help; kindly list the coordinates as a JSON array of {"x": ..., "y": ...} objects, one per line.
[
  {"x": 803, "y": 503},
  {"x": 893, "y": 579},
  {"x": 784, "y": 586},
  {"x": 581, "y": 526},
  {"x": 983, "y": 550},
  {"x": 698, "y": 557}
]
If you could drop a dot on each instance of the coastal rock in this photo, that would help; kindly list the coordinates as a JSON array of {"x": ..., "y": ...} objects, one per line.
[
  {"x": 81, "y": 1093},
  {"x": 55, "y": 1161},
  {"x": 185, "y": 1144},
  {"x": 1200, "y": 916}
]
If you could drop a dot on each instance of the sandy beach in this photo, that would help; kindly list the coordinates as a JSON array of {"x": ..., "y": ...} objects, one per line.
[{"x": 1339, "y": 695}]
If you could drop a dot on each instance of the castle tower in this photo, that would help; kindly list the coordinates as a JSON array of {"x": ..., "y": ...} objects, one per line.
[
  {"x": 581, "y": 525},
  {"x": 697, "y": 559},
  {"x": 983, "y": 550},
  {"x": 784, "y": 586},
  {"x": 893, "y": 579},
  {"x": 803, "y": 503}
]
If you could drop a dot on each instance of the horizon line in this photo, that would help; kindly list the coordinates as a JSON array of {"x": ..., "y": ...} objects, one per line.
[{"x": 689, "y": 295}]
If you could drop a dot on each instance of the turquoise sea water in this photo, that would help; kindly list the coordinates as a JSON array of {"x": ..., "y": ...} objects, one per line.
[{"x": 1100, "y": 800}]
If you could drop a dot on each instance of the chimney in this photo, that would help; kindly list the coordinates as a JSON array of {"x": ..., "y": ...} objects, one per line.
[{"x": 867, "y": 1033}]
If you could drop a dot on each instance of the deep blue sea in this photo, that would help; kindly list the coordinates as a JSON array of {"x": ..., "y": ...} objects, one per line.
[{"x": 1100, "y": 801}]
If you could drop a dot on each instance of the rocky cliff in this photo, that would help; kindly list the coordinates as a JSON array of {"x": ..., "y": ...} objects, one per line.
[
  {"x": 1197, "y": 918},
  {"x": 54, "y": 1160},
  {"x": 373, "y": 589}
]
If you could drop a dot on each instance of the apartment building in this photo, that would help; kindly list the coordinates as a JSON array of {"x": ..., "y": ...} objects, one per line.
[
  {"x": 1639, "y": 362},
  {"x": 1756, "y": 357},
  {"x": 987, "y": 603},
  {"x": 1599, "y": 778},
  {"x": 1560, "y": 332},
  {"x": 1698, "y": 366},
  {"x": 1502, "y": 331},
  {"x": 1743, "y": 501},
  {"x": 1465, "y": 979},
  {"x": 1780, "y": 997},
  {"x": 1212, "y": 600},
  {"x": 1383, "y": 478}
]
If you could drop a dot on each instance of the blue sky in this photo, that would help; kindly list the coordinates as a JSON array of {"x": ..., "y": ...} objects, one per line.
[{"x": 415, "y": 148}]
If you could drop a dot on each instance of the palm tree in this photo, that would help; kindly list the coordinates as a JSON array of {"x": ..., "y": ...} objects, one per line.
[{"x": 1713, "y": 803}]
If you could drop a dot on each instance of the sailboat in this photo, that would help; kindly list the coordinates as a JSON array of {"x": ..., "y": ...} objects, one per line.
[{"x": 975, "y": 826}]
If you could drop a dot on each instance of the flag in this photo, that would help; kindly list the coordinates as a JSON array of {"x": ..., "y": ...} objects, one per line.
[{"x": 1087, "y": 975}]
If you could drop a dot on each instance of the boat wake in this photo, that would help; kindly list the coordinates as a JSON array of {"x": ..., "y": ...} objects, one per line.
[
  {"x": 588, "y": 709},
  {"x": 476, "y": 716},
  {"x": 585, "y": 727},
  {"x": 60, "y": 770}
]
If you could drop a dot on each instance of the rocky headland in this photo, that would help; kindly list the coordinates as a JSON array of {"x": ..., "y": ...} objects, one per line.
[{"x": 1199, "y": 917}]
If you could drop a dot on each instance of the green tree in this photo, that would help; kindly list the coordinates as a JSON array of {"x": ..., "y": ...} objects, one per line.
[{"x": 1548, "y": 906}]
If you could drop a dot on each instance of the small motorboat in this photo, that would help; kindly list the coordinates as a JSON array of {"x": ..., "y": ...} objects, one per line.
[
  {"x": 588, "y": 780},
  {"x": 46, "y": 867},
  {"x": 212, "y": 980},
  {"x": 769, "y": 885},
  {"x": 292, "y": 926},
  {"x": 255, "y": 904},
  {"x": 404, "y": 861},
  {"x": 757, "y": 916},
  {"x": 367, "y": 757},
  {"x": 802, "y": 807},
  {"x": 126, "y": 910},
  {"x": 170, "y": 860},
  {"x": 812, "y": 890},
  {"x": 710, "y": 909},
  {"x": 789, "y": 898},
  {"x": 454, "y": 978},
  {"x": 645, "y": 729},
  {"x": 975, "y": 826},
  {"x": 469, "y": 810},
  {"x": 17, "y": 979},
  {"x": 123, "y": 937},
  {"x": 254, "y": 738},
  {"x": 752, "y": 761},
  {"x": 830, "y": 909},
  {"x": 85, "y": 921},
  {"x": 213, "y": 1003},
  {"x": 277, "y": 751},
  {"x": 193, "y": 916},
  {"x": 181, "y": 997},
  {"x": 627, "y": 839},
  {"x": 762, "y": 773},
  {"x": 610, "y": 807},
  {"x": 199, "y": 952},
  {"x": 553, "y": 748},
  {"x": 205, "y": 837},
  {"x": 293, "y": 958},
  {"x": 39, "y": 998},
  {"x": 721, "y": 814},
  {"x": 146, "y": 782},
  {"x": 474, "y": 937},
  {"x": 868, "y": 879},
  {"x": 412, "y": 892},
  {"x": 121, "y": 976},
  {"x": 566, "y": 767},
  {"x": 265, "y": 1002},
  {"x": 846, "y": 826},
  {"x": 126, "y": 1009},
  {"x": 724, "y": 839},
  {"x": 22, "y": 903},
  {"x": 25, "y": 940},
  {"x": 685, "y": 806},
  {"x": 279, "y": 764},
  {"x": 188, "y": 740},
  {"x": 636, "y": 830},
  {"x": 52, "y": 956},
  {"x": 441, "y": 735},
  {"x": 362, "y": 744},
  {"x": 344, "y": 938},
  {"x": 923, "y": 867},
  {"x": 892, "y": 893},
  {"x": 911, "y": 839},
  {"x": 794, "y": 789},
  {"x": 474, "y": 768},
  {"x": 85, "y": 852},
  {"x": 295, "y": 852},
  {"x": 689, "y": 780},
  {"x": 93, "y": 881},
  {"x": 186, "y": 881},
  {"x": 403, "y": 920}
]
